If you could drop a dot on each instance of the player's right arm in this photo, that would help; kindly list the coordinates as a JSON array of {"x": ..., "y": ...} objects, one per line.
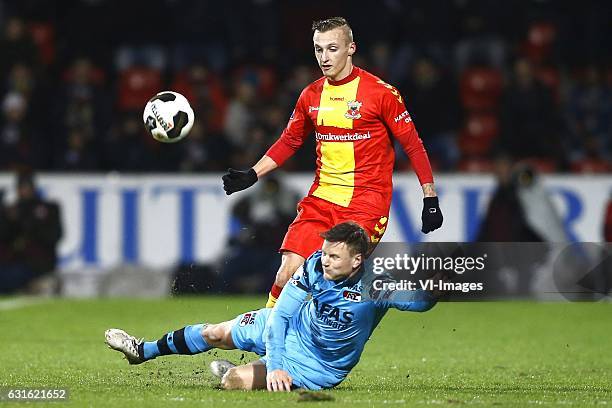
[
  {"x": 288, "y": 304},
  {"x": 292, "y": 138}
]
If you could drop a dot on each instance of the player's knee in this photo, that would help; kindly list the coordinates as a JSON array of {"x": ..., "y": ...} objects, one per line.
[
  {"x": 282, "y": 276},
  {"x": 289, "y": 264},
  {"x": 232, "y": 380},
  {"x": 213, "y": 334}
]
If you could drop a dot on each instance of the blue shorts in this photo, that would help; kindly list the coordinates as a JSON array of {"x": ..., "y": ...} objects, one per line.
[
  {"x": 248, "y": 331},
  {"x": 248, "y": 334}
]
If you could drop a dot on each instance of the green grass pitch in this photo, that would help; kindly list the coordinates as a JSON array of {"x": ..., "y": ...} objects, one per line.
[{"x": 483, "y": 354}]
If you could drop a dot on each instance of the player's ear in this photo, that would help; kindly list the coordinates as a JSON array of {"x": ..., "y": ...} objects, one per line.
[
  {"x": 357, "y": 261},
  {"x": 352, "y": 49}
]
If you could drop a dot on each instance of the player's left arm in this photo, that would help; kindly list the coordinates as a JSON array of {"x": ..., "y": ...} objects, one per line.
[
  {"x": 288, "y": 304},
  {"x": 394, "y": 114}
]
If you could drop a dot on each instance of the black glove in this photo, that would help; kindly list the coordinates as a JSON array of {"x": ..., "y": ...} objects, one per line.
[
  {"x": 432, "y": 216},
  {"x": 237, "y": 180}
]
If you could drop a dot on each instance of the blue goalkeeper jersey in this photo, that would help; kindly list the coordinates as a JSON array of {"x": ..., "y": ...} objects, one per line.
[{"x": 321, "y": 339}]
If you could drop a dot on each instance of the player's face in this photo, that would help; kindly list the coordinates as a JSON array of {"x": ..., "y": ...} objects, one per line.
[
  {"x": 333, "y": 51},
  {"x": 337, "y": 261}
]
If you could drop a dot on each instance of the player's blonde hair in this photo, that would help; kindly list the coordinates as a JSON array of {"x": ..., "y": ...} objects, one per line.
[{"x": 331, "y": 23}]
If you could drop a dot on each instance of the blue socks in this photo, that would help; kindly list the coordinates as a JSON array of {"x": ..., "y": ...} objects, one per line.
[{"x": 187, "y": 340}]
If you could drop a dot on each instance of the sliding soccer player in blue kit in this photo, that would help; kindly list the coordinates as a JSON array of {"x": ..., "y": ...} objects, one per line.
[{"x": 310, "y": 343}]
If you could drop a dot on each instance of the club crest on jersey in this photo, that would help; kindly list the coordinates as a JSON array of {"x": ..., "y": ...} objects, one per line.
[
  {"x": 248, "y": 318},
  {"x": 353, "y": 110},
  {"x": 351, "y": 296}
]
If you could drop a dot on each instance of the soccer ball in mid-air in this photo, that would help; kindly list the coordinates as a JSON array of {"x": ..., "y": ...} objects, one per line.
[{"x": 168, "y": 117}]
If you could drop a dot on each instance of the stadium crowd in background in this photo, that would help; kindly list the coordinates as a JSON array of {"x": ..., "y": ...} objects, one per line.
[
  {"x": 530, "y": 79},
  {"x": 30, "y": 229},
  {"x": 259, "y": 222}
]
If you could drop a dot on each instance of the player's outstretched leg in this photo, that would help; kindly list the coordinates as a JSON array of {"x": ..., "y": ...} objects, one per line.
[
  {"x": 189, "y": 340},
  {"x": 250, "y": 376}
]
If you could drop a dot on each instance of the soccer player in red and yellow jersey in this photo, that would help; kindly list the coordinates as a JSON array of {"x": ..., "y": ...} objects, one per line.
[{"x": 352, "y": 114}]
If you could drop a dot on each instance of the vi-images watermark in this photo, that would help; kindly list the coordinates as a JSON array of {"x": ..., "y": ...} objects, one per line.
[{"x": 428, "y": 284}]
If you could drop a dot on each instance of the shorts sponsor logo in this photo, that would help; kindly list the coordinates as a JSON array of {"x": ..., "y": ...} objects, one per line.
[
  {"x": 248, "y": 318},
  {"x": 351, "y": 296}
]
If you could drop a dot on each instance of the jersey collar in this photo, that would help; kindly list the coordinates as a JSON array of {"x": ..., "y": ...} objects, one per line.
[
  {"x": 353, "y": 279},
  {"x": 354, "y": 74}
]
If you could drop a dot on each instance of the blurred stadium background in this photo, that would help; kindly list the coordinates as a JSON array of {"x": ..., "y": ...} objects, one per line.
[{"x": 513, "y": 101}]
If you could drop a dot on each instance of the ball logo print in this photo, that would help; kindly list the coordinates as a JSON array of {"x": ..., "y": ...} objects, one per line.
[
  {"x": 165, "y": 125},
  {"x": 168, "y": 117}
]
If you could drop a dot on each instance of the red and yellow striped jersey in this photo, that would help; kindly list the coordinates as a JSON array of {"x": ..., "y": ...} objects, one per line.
[{"x": 352, "y": 120}]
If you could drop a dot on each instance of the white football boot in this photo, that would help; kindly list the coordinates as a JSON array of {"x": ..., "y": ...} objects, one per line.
[
  {"x": 220, "y": 367},
  {"x": 119, "y": 340}
]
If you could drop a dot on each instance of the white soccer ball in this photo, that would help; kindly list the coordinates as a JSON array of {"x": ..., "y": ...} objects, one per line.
[{"x": 168, "y": 117}]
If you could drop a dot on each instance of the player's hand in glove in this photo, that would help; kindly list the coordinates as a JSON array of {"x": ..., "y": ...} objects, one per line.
[
  {"x": 238, "y": 180},
  {"x": 279, "y": 380},
  {"x": 432, "y": 216}
]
